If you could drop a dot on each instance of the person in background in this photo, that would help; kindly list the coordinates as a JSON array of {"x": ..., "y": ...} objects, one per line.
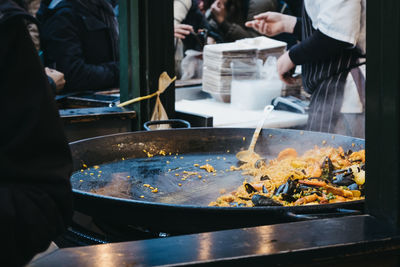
[
  {"x": 204, "y": 5},
  {"x": 332, "y": 35},
  {"x": 192, "y": 32},
  {"x": 181, "y": 9},
  {"x": 80, "y": 39},
  {"x": 35, "y": 160},
  {"x": 228, "y": 17},
  {"x": 56, "y": 78},
  {"x": 194, "y": 29}
]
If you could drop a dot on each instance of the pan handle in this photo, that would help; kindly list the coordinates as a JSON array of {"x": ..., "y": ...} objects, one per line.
[
  {"x": 313, "y": 216},
  {"x": 175, "y": 122}
]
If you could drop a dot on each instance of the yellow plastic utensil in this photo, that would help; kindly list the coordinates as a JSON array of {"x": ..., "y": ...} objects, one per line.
[{"x": 249, "y": 155}]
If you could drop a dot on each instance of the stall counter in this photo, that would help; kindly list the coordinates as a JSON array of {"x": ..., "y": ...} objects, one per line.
[{"x": 227, "y": 116}]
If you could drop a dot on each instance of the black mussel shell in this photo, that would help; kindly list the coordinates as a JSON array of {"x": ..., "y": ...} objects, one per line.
[
  {"x": 259, "y": 200},
  {"x": 327, "y": 169},
  {"x": 265, "y": 190},
  {"x": 348, "y": 152},
  {"x": 279, "y": 189},
  {"x": 249, "y": 188},
  {"x": 264, "y": 177},
  {"x": 344, "y": 179},
  {"x": 303, "y": 187},
  {"x": 287, "y": 188},
  {"x": 309, "y": 190},
  {"x": 319, "y": 193}
]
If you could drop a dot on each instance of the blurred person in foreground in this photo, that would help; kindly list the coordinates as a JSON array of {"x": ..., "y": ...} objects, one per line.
[
  {"x": 35, "y": 160},
  {"x": 331, "y": 51},
  {"x": 80, "y": 38}
]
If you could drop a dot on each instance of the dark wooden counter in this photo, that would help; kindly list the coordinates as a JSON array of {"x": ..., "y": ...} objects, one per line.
[{"x": 348, "y": 241}]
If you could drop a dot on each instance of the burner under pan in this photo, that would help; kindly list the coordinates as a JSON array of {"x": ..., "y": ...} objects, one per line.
[{"x": 85, "y": 231}]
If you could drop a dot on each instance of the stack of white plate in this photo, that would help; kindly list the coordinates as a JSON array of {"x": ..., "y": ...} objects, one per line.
[{"x": 217, "y": 72}]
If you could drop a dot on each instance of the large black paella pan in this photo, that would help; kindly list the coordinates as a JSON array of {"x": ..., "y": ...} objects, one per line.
[{"x": 141, "y": 177}]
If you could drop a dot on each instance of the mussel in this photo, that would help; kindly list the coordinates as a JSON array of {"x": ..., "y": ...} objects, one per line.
[
  {"x": 327, "y": 169},
  {"x": 303, "y": 187},
  {"x": 264, "y": 190},
  {"x": 319, "y": 193},
  {"x": 249, "y": 188},
  {"x": 265, "y": 177},
  {"x": 348, "y": 152},
  {"x": 345, "y": 179},
  {"x": 259, "y": 200},
  {"x": 287, "y": 190}
]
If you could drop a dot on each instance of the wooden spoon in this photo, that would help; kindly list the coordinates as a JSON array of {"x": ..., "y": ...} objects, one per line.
[{"x": 249, "y": 155}]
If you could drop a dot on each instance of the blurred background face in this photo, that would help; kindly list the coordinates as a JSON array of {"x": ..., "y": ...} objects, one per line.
[{"x": 201, "y": 6}]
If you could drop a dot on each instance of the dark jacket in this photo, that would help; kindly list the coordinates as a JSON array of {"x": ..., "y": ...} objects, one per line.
[
  {"x": 196, "y": 19},
  {"x": 78, "y": 44},
  {"x": 238, "y": 12},
  {"x": 35, "y": 160}
]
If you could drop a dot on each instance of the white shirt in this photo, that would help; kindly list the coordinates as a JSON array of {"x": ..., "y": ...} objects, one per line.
[{"x": 343, "y": 20}]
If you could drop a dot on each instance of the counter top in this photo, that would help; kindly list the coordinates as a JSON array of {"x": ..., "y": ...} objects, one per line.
[
  {"x": 327, "y": 242},
  {"x": 227, "y": 116}
]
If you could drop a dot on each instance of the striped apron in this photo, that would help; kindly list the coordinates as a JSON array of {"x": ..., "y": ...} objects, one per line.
[{"x": 325, "y": 81}]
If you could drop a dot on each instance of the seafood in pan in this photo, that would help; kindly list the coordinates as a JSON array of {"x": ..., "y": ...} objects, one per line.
[{"x": 319, "y": 176}]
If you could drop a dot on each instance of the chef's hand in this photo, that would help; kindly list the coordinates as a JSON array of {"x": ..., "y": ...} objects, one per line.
[
  {"x": 286, "y": 69},
  {"x": 272, "y": 23},
  {"x": 182, "y": 30},
  {"x": 58, "y": 78},
  {"x": 219, "y": 11}
]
